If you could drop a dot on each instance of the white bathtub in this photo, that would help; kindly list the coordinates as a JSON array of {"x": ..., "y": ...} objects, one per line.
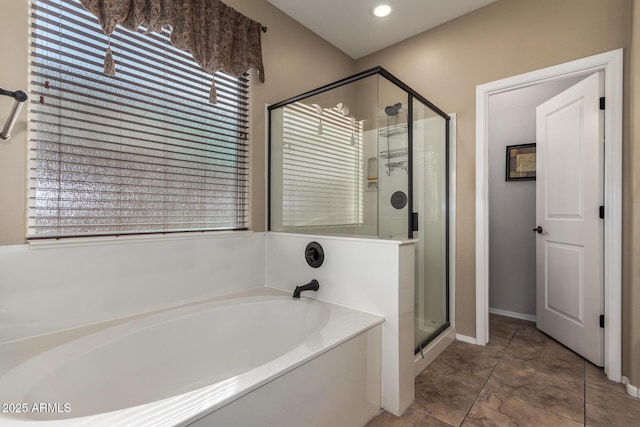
[{"x": 209, "y": 364}]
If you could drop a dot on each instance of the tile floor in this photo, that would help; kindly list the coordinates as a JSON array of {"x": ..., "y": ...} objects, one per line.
[{"x": 521, "y": 378}]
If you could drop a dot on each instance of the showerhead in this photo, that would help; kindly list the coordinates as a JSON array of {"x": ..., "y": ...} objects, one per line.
[{"x": 393, "y": 110}]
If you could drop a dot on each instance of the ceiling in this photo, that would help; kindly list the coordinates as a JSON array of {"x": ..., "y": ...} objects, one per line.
[{"x": 348, "y": 25}]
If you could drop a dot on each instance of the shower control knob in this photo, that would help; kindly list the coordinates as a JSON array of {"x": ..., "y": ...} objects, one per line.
[
  {"x": 314, "y": 254},
  {"x": 399, "y": 199}
]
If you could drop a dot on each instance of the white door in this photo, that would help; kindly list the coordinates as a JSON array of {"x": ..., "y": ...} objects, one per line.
[{"x": 569, "y": 192}]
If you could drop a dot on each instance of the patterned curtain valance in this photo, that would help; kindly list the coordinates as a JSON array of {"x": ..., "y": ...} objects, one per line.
[{"x": 218, "y": 37}]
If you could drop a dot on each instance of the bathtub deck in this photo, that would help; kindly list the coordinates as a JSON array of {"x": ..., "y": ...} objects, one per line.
[{"x": 345, "y": 326}]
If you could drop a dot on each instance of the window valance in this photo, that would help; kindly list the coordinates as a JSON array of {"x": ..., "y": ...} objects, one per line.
[{"x": 217, "y": 36}]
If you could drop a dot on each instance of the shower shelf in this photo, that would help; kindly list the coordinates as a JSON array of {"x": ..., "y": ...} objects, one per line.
[
  {"x": 396, "y": 152},
  {"x": 393, "y": 130},
  {"x": 404, "y": 165}
]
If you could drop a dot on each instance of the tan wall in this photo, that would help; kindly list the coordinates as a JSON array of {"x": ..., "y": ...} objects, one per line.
[
  {"x": 503, "y": 39},
  {"x": 13, "y": 154},
  {"x": 295, "y": 59},
  {"x": 631, "y": 296}
]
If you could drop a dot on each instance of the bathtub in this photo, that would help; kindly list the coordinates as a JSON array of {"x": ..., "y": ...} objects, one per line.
[{"x": 247, "y": 360}]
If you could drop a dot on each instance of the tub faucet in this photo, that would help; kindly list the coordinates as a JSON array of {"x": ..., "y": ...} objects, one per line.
[{"x": 313, "y": 285}]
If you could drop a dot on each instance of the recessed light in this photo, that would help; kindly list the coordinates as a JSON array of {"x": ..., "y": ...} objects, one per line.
[{"x": 381, "y": 9}]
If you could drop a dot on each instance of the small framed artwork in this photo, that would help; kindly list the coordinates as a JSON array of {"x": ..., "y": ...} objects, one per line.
[{"x": 521, "y": 162}]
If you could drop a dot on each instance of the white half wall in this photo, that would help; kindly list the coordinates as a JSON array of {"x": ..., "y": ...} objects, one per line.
[
  {"x": 66, "y": 284},
  {"x": 376, "y": 276}
]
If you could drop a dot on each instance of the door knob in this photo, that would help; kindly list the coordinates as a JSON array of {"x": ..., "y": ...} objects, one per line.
[{"x": 538, "y": 229}]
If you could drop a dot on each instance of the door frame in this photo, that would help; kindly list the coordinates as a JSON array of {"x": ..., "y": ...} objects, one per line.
[{"x": 612, "y": 64}]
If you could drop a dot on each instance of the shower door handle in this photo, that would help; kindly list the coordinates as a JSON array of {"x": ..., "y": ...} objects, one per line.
[{"x": 414, "y": 221}]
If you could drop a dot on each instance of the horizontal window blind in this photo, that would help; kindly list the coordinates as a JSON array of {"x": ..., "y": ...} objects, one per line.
[
  {"x": 141, "y": 152},
  {"x": 322, "y": 168}
]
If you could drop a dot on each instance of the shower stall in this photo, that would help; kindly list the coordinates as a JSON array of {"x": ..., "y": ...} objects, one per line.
[{"x": 367, "y": 156}]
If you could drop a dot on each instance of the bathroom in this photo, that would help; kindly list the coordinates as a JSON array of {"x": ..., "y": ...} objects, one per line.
[{"x": 52, "y": 286}]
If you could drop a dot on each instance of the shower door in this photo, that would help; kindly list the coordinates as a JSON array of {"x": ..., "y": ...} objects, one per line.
[{"x": 430, "y": 203}]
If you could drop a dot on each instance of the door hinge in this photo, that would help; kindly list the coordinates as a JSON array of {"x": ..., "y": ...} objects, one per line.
[
  {"x": 602, "y": 320},
  {"x": 602, "y": 102},
  {"x": 601, "y": 212},
  {"x": 414, "y": 221}
]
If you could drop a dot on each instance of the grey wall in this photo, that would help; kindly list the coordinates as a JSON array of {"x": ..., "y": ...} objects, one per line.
[{"x": 512, "y": 205}]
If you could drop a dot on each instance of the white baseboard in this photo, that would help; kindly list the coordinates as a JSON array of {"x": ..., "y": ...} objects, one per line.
[
  {"x": 433, "y": 350},
  {"x": 631, "y": 390},
  {"x": 529, "y": 317},
  {"x": 464, "y": 338}
]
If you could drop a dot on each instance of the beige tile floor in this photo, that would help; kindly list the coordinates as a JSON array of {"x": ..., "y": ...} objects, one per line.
[{"x": 521, "y": 378}]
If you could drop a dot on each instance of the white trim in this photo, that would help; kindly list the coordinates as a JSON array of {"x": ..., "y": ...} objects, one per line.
[
  {"x": 631, "y": 390},
  {"x": 611, "y": 64},
  {"x": 122, "y": 239},
  {"x": 266, "y": 166},
  {"x": 452, "y": 218},
  {"x": 464, "y": 338},
  {"x": 433, "y": 350},
  {"x": 364, "y": 239},
  {"x": 482, "y": 217},
  {"x": 513, "y": 314}
]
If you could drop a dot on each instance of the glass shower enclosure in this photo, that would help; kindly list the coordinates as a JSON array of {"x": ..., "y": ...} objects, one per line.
[{"x": 367, "y": 156}]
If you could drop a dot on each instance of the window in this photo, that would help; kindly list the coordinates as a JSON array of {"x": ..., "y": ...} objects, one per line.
[
  {"x": 322, "y": 167},
  {"x": 141, "y": 152}
]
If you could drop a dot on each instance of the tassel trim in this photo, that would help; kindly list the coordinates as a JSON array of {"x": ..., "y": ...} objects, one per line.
[{"x": 109, "y": 63}]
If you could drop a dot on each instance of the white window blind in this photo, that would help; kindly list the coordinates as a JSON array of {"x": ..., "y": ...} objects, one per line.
[
  {"x": 322, "y": 168},
  {"x": 141, "y": 152}
]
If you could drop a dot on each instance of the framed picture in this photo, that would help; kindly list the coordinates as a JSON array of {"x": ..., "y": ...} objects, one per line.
[{"x": 521, "y": 162}]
